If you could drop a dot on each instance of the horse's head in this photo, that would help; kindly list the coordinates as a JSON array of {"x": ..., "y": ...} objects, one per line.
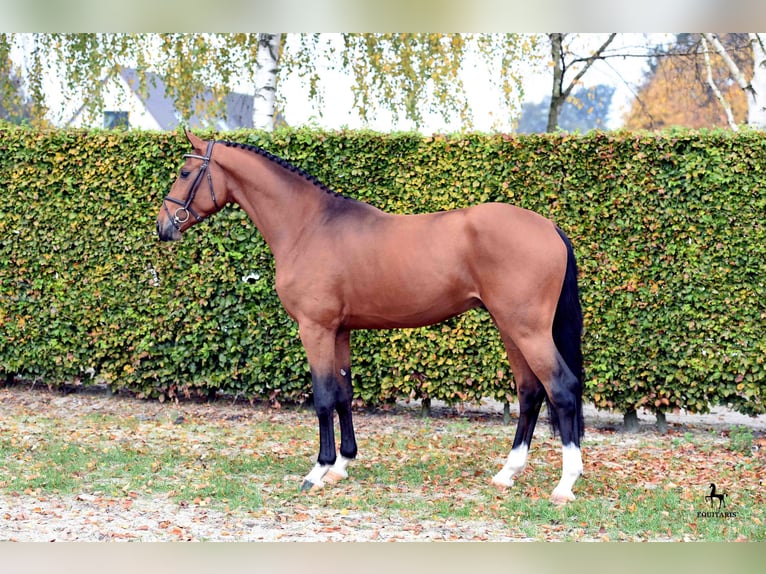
[{"x": 197, "y": 193}]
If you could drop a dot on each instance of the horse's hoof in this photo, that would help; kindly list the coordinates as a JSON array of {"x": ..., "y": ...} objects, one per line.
[
  {"x": 562, "y": 498},
  {"x": 500, "y": 485},
  {"x": 332, "y": 477},
  {"x": 309, "y": 486}
]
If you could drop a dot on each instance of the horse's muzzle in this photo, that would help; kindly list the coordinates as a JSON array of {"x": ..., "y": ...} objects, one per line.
[{"x": 167, "y": 231}]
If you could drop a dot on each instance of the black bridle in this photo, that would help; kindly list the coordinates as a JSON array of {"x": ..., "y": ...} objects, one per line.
[{"x": 181, "y": 214}]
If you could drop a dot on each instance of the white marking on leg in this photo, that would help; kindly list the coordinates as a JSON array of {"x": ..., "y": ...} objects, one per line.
[
  {"x": 517, "y": 460},
  {"x": 340, "y": 465},
  {"x": 338, "y": 470},
  {"x": 316, "y": 474},
  {"x": 571, "y": 468}
]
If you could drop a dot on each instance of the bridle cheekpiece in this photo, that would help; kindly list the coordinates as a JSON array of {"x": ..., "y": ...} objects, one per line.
[{"x": 182, "y": 213}]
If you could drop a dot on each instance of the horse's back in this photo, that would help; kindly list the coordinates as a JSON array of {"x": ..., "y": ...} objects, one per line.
[{"x": 384, "y": 270}]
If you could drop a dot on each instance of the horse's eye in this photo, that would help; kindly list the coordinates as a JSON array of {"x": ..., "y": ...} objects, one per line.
[{"x": 185, "y": 173}]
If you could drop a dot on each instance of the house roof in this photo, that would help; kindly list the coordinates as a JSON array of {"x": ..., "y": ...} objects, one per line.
[{"x": 239, "y": 107}]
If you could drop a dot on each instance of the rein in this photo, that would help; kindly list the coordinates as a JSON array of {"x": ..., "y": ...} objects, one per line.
[{"x": 182, "y": 213}]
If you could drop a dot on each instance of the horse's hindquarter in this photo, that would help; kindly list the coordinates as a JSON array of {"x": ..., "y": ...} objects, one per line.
[{"x": 517, "y": 250}]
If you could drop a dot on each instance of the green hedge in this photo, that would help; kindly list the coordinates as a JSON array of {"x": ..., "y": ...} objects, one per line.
[{"x": 668, "y": 230}]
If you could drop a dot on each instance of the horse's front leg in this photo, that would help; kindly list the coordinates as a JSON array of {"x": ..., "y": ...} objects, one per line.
[
  {"x": 331, "y": 386},
  {"x": 343, "y": 400}
]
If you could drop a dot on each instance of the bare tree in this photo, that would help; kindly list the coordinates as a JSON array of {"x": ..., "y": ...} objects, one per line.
[{"x": 561, "y": 66}]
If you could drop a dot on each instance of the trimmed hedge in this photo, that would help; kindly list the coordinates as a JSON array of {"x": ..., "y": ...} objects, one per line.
[{"x": 668, "y": 230}]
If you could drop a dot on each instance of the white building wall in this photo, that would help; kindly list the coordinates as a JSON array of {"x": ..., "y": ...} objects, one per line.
[{"x": 118, "y": 98}]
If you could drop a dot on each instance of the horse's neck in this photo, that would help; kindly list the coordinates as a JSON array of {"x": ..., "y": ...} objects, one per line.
[{"x": 280, "y": 203}]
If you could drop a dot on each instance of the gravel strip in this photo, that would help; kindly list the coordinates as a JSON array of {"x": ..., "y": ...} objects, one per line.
[{"x": 89, "y": 518}]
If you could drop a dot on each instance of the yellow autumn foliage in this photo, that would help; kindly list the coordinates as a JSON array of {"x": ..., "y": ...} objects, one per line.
[{"x": 677, "y": 94}]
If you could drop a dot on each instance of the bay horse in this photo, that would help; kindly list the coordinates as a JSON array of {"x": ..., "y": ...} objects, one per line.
[{"x": 342, "y": 264}]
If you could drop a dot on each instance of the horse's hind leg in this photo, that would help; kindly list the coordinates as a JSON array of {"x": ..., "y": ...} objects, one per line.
[
  {"x": 538, "y": 365},
  {"x": 531, "y": 396},
  {"x": 565, "y": 404}
]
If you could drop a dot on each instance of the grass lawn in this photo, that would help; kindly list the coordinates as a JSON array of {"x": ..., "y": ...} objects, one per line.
[{"x": 251, "y": 459}]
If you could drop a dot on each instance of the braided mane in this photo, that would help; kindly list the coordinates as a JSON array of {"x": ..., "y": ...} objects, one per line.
[{"x": 285, "y": 164}]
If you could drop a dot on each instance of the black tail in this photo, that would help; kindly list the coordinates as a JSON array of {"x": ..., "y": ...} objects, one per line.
[{"x": 567, "y": 330}]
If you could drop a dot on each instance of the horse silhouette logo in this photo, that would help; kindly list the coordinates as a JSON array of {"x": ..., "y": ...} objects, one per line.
[{"x": 721, "y": 496}]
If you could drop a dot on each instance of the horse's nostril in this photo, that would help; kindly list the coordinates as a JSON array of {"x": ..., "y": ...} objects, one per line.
[
  {"x": 162, "y": 231},
  {"x": 167, "y": 232}
]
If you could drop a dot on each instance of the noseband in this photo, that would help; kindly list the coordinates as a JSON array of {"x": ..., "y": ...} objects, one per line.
[{"x": 182, "y": 213}]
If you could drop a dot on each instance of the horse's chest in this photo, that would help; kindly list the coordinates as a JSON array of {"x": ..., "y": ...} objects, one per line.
[{"x": 306, "y": 294}]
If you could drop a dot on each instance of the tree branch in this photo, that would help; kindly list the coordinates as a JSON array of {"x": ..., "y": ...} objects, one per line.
[
  {"x": 738, "y": 76},
  {"x": 588, "y": 63},
  {"x": 636, "y": 94},
  {"x": 714, "y": 87}
]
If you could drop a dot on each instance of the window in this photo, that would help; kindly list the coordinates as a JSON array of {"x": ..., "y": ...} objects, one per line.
[{"x": 116, "y": 121}]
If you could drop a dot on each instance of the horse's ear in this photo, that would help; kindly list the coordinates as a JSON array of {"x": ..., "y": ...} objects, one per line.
[{"x": 196, "y": 142}]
